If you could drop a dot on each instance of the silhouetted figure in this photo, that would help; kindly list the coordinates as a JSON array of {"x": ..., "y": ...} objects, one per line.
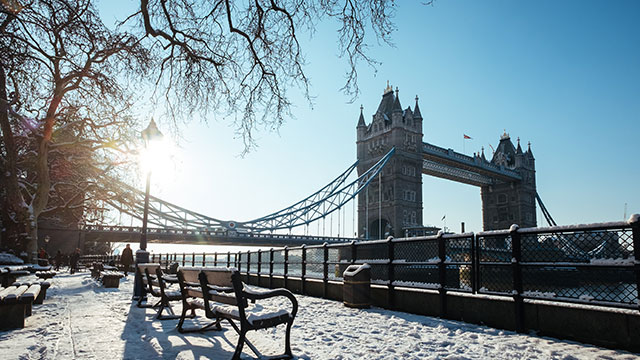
[
  {"x": 73, "y": 261},
  {"x": 126, "y": 259},
  {"x": 43, "y": 257},
  {"x": 58, "y": 260}
]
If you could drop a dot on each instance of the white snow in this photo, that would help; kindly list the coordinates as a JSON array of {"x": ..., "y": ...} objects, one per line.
[
  {"x": 82, "y": 320},
  {"x": 619, "y": 261},
  {"x": 353, "y": 270}
]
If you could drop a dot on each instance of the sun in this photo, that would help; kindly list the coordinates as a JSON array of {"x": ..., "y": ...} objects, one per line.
[{"x": 158, "y": 158}]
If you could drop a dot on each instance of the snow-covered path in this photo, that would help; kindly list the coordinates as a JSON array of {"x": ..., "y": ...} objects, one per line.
[{"x": 82, "y": 320}]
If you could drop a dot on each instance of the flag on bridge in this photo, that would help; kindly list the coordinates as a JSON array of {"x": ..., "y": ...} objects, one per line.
[{"x": 466, "y": 137}]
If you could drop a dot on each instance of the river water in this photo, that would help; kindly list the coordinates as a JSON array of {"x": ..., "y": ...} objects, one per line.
[{"x": 161, "y": 248}]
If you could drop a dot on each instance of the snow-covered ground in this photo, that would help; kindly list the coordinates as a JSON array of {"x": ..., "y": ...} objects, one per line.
[{"x": 82, "y": 320}]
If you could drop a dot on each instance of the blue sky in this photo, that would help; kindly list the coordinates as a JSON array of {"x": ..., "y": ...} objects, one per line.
[{"x": 564, "y": 75}]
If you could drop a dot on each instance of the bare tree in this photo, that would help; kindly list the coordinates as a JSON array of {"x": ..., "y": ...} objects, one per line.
[
  {"x": 241, "y": 58},
  {"x": 62, "y": 101},
  {"x": 66, "y": 84}
]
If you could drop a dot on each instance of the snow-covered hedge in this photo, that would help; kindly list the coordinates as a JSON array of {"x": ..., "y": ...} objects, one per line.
[{"x": 10, "y": 259}]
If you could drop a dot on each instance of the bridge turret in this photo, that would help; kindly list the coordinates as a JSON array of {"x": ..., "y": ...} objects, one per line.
[
  {"x": 510, "y": 202},
  {"x": 396, "y": 202}
]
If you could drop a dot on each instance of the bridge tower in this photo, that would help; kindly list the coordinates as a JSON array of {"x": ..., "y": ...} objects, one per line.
[
  {"x": 393, "y": 201},
  {"x": 510, "y": 202}
]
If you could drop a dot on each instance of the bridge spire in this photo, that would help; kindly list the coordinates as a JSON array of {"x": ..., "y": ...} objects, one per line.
[
  {"x": 361, "y": 119},
  {"x": 529, "y": 152},
  {"x": 396, "y": 102},
  {"x": 416, "y": 111},
  {"x": 518, "y": 149}
]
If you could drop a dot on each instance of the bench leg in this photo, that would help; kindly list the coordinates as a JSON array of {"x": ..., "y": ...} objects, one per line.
[
  {"x": 40, "y": 298},
  {"x": 166, "y": 305},
  {"x": 184, "y": 315},
  {"x": 12, "y": 316},
  {"x": 287, "y": 340},
  {"x": 241, "y": 340}
]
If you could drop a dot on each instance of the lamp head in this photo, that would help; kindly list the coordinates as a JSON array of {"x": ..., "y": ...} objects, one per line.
[{"x": 151, "y": 133}]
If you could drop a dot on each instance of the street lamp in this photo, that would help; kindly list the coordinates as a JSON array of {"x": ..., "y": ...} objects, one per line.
[
  {"x": 150, "y": 135},
  {"x": 46, "y": 243}
]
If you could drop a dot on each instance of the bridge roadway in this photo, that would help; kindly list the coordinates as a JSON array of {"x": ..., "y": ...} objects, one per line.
[{"x": 202, "y": 237}]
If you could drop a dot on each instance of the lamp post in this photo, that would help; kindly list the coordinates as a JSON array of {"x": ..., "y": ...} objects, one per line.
[{"x": 149, "y": 135}]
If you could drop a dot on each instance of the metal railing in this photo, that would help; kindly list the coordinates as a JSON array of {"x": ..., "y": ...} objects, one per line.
[{"x": 590, "y": 264}]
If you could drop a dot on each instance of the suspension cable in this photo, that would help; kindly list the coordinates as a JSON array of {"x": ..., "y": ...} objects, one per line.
[
  {"x": 380, "y": 205},
  {"x": 338, "y": 222},
  {"x": 366, "y": 226},
  {"x": 353, "y": 216}
]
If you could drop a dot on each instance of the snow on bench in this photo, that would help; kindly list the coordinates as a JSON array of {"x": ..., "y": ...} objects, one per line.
[
  {"x": 46, "y": 274},
  {"x": 222, "y": 295},
  {"x": 158, "y": 284},
  {"x": 110, "y": 279},
  {"x": 15, "y": 305}
]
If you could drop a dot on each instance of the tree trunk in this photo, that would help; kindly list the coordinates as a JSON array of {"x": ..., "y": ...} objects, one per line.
[{"x": 16, "y": 210}]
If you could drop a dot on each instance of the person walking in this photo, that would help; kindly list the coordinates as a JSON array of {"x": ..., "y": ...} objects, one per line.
[
  {"x": 73, "y": 261},
  {"x": 58, "y": 260},
  {"x": 126, "y": 259}
]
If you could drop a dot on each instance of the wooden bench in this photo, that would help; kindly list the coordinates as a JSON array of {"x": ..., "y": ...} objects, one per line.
[
  {"x": 44, "y": 285},
  {"x": 15, "y": 305},
  {"x": 96, "y": 268},
  {"x": 158, "y": 284},
  {"x": 223, "y": 296},
  {"x": 45, "y": 274},
  {"x": 11, "y": 273},
  {"x": 140, "y": 271},
  {"x": 110, "y": 279}
]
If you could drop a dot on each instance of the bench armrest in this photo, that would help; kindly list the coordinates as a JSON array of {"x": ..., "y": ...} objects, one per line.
[
  {"x": 172, "y": 279},
  {"x": 258, "y": 295}
]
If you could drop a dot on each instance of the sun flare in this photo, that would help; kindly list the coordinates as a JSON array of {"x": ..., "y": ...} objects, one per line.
[{"x": 159, "y": 158}]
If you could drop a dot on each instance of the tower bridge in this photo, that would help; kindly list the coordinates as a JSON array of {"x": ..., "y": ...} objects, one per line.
[
  {"x": 391, "y": 160},
  {"x": 394, "y": 202}
]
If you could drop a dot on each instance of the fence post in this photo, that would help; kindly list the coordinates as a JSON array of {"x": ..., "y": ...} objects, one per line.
[
  {"x": 286, "y": 265},
  {"x": 248, "y": 265},
  {"x": 228, "y": 259},
  {"x": 353, "y": 252},
  {"x": 442, "y": 274},
  {"x": 259, "y": 264},
  {"x": 474, "y": 264},
  {"x": 184, "y": 257},
  {"x": 634, "y": 221},
  {"x": 516, "y": 249},
  {"x": 238, "y": 261},
  {"x": 215, "y": 259},
  {"x": 271, "y": 268},
  {"x": 204, "y": 255},
  {"x": 304, "y": 267},
  {"x": 193, "y": 259},
  {"x": 325, "y": 270},
  {"x": 391, "y": 272}
]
